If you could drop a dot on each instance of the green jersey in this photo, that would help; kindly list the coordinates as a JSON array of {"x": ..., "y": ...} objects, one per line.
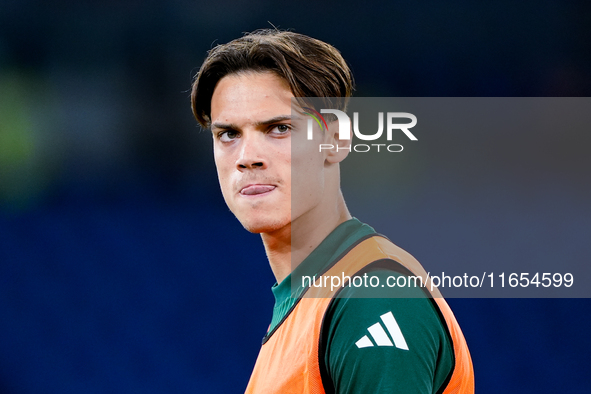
[{"x": 393, "y": 342}]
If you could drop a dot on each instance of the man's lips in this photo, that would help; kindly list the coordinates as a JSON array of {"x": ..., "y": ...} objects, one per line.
[{"x": 252, "y": 190}]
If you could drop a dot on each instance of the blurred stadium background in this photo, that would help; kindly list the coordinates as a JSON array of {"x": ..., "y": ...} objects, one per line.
[{"x": 121, "y": 269}]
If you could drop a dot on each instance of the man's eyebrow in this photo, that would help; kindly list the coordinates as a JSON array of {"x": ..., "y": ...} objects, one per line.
[
  {"x": 275, "y": 119},
  {"x": 232, "y": 126},
  {"x": 223, "y": 126}
]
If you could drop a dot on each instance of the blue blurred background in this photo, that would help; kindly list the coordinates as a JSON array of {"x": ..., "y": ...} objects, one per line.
[{"x": 121, "y": 269}]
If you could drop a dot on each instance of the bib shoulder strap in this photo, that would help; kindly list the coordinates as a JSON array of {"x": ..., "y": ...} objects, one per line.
[{"x": 369, "y": 250}]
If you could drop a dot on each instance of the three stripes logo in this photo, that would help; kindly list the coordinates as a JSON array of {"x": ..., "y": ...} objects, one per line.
[{"x": 380, "y": 337}]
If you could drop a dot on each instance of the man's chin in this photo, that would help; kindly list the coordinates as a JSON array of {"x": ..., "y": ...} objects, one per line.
[{"x": 263, "y": 226}]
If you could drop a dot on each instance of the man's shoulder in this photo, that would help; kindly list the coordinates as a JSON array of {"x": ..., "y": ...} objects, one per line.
[
  {"x": 386, "y": 342},
  {"x": 385, "y": 292}
]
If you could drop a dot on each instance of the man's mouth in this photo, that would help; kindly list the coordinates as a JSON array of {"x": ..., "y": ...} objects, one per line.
[{"x": 253, "y": 190}]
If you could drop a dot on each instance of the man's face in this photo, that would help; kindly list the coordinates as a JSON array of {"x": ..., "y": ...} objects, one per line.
[{"x": 252, "y": 132}]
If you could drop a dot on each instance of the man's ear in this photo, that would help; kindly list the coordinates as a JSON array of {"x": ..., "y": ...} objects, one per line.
[{"x": 341, "y": 148}]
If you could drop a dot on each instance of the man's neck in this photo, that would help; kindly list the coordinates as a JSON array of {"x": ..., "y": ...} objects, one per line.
[{"x": 287, "y": 247}]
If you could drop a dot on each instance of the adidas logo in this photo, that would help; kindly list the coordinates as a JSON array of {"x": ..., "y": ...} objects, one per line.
[{"x": 379, "y": 334}]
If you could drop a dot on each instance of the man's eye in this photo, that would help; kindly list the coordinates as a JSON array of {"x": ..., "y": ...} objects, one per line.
[
  {"x": 281, "y": 129},
  {"x": 227, "y": 136}
]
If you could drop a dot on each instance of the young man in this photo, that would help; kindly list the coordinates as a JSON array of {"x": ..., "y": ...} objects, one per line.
[{"x": 332, "y": 340}]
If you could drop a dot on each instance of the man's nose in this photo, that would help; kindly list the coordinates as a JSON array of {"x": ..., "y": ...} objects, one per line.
[{"x": 251, "y": 153}]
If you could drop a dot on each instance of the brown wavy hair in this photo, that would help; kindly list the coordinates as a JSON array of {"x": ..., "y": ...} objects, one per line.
[{"x": 311, "y": 67}]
